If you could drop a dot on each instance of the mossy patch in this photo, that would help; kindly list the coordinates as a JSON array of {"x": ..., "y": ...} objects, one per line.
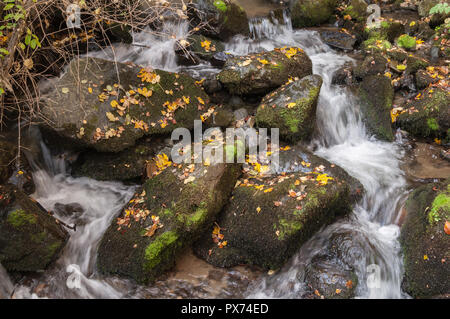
[{"x": 19, "y": 218}]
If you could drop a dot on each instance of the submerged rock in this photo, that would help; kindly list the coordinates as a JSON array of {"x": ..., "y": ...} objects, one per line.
[
  {"x": 269, "y": 218},
  {"x": 220, "y": 18},
  {"x": 170, "y": 212},
  {"x": 311, "y": 13},
  {"x": 291, "y": 108},
  {"x": 428, "y": 116},
  {"x": 425, "y": 243},
  {"x": 376, "y": 95},
  {"x": 260, "y": 73},
  {"x": 30, "y": 239},
  {"x": 87, "y": 107}
]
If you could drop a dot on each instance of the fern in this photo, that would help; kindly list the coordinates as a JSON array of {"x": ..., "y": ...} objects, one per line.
[{"x": 442, "y": 8}]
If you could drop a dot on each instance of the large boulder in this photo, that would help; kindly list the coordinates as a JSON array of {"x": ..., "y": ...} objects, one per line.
[
  {"x": 219, "y": 18},
  {"x": 171, "y": 210},
  {"x": 312, "y": 13},
  {"x": 376, "y": 95},
  {"x": 260, "y": 73},
  {"x": 30, "y": 239},
  {"x": 269, "y": 217},
  {"x": 108, "y": 106},
  {"x": 425, "y": 242},
  {"x": 428, "y": 115},
  {"x": 291, "y": 108}
]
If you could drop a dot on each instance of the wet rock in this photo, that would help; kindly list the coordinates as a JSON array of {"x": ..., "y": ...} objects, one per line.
[
  {"x": 425, "y": 243},
  {"x": 423, "y": 79},
  {"x": 344, "y": 76},
  {"x": 311, "y": 13},
  {"x": 372, "y": 65},
  {"x": 30, "y": 239},
  {"x": 212, "y": 86},
  {"x": 330, "y": 278},
  {"x": 264, "y": 223},
  {"x": 427, "y": 116},
  {"x": 68, "y": 210},
  {"x": 291, "y": 108},
  {"x": 143, "y": 247},
  {"x": 79, "y": 118},
  {"x": 220, "y": 58},
  {"x": 127, "y": 165},
  {"x": 221, "y": 19},
  {"x": 199, "y": 48},
  {"x": 337, "y": 39},
  {"x": 261, "y": 72},
  {"x": 223, "y": 118},
  {"x": 376, "y": 95}
]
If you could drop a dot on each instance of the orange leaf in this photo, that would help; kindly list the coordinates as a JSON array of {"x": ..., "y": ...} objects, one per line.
[{"x": 447, "y": 227}]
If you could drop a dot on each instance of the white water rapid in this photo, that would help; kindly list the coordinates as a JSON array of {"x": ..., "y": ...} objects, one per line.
[{"x": 341, "y": 138}]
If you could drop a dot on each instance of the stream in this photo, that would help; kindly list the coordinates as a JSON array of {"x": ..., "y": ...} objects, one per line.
[{"x": 372, "y": 228}]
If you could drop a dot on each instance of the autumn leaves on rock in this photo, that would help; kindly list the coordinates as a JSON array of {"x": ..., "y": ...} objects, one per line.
[{"x": 108, "y": 106}]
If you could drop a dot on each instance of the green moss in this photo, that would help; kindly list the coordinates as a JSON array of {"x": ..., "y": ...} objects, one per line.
[
  {"x": 288, "y": 228},
  {"x": 220, "y": 5},
  {"x": 19, "y": 218},
  {"x": 440, "y": 208},
  {"x": 406, "y": 41},
  {"x": 156, "y": 252},
  {"x": 433, "y": 124}
]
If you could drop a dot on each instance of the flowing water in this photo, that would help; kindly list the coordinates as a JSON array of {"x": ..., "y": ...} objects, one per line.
[{"x": 341, "y": 138}]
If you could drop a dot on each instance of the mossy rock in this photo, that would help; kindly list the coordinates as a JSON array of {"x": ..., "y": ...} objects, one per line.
[
  {"x": 260, "y": 73},
  {"x": 185, "y": 210},
  {"x": 424, "y": 6},
  {"x": 199, "y": 48},
  {"x": 374, "y": 64},
  {"x": 312, "y": 13},
  {"x": 291, "y": 109},
  {"x": 407, "y": 42},
  {"x": 357, "y": 9},
  {"x": 380, "y": 38},
  {"x": 414, "y": 64},
  {"x": 127, "y": 165},
  {"x": 79, "y": 116},
  {"x": 264, "y": 226},
  {"x": 427, "y": 116},
  {"x": 376, "y": 95},
  {"x": 222, "y": 19},
  {"x": 425, "y": 243},
  {"x": 30, "y": 239}
]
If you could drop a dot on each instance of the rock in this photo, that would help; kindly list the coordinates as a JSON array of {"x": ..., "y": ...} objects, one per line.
[
  {"x": 30, "y": 239},
  {"x": 424, "y": 241},
  {"x": 223, "y": 118},
  {"x": 338, "y": 39},
  {"x": 428, "y": 116},
  {"x": 220, "y": 19},
  {"x": 132, "y": 248},
  {"x": 397, "y": 54},
  {"x": 291, "y": 108},
  {"x": 127, "y": 165},
  {"x": 13, "y": 171},
  {"x": 413, "y": 64},
  {"x": 311, "y": 13},
  {"x": 344, "y": 76},
  {"x": 357, "y": 9},
  {"x": 376, "y": 95},
  {"x": 248, "y": 75},
  {"x": 407, "y": 42},
  {"x": 199, "y": 48},
  {"x": 220, "y": 58},
  {"x": 330, "y": 278},
  {"x": 423, "y": 79},
  {"x": 212, "y": 86},
  {"x": 264, "y": 226},
  {"x": 78, "y": 118},
  {"x": 379, "y": 39},
  {"x": 372, "y": 65}
]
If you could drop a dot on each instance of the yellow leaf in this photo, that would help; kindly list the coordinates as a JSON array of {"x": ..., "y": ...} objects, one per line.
[
  {"x": 258, "y": 209},
  {"x": 291, "y": 105},
  {"x": 263, "y": 61},
  {"x": 323, "y": 179},
  {"x": 111, "y": 117},
  {"x": 186, "y": 99},
  {"x": 114, "y": 103},
  {"x": 200, "y": 100},
  {"x": 425, "y": 257}
]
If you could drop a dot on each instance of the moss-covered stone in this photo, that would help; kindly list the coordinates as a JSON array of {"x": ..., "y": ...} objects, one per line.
[
  {"x": 221, "y": 19},
  {"x": 291, "y": 109},
  {"x": 260, "y": 73},
  {"x": 427, "y": 116},
  {"x": 30, "y": 239},
  {"x": 374, "y": 64},
  {"x": 79, "y": 107},
  {"x": 264, "y": 225},
  {"x": 311, "y": 13},
  {"x": 381, "y": 38},
  {"x": 357, "y": 9},
  {"x": 425, "y": 243},
  {"x": 184, "y": 211},
  {"x": 407, "y": 42},
  {"x": 376, "y": 95}
]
